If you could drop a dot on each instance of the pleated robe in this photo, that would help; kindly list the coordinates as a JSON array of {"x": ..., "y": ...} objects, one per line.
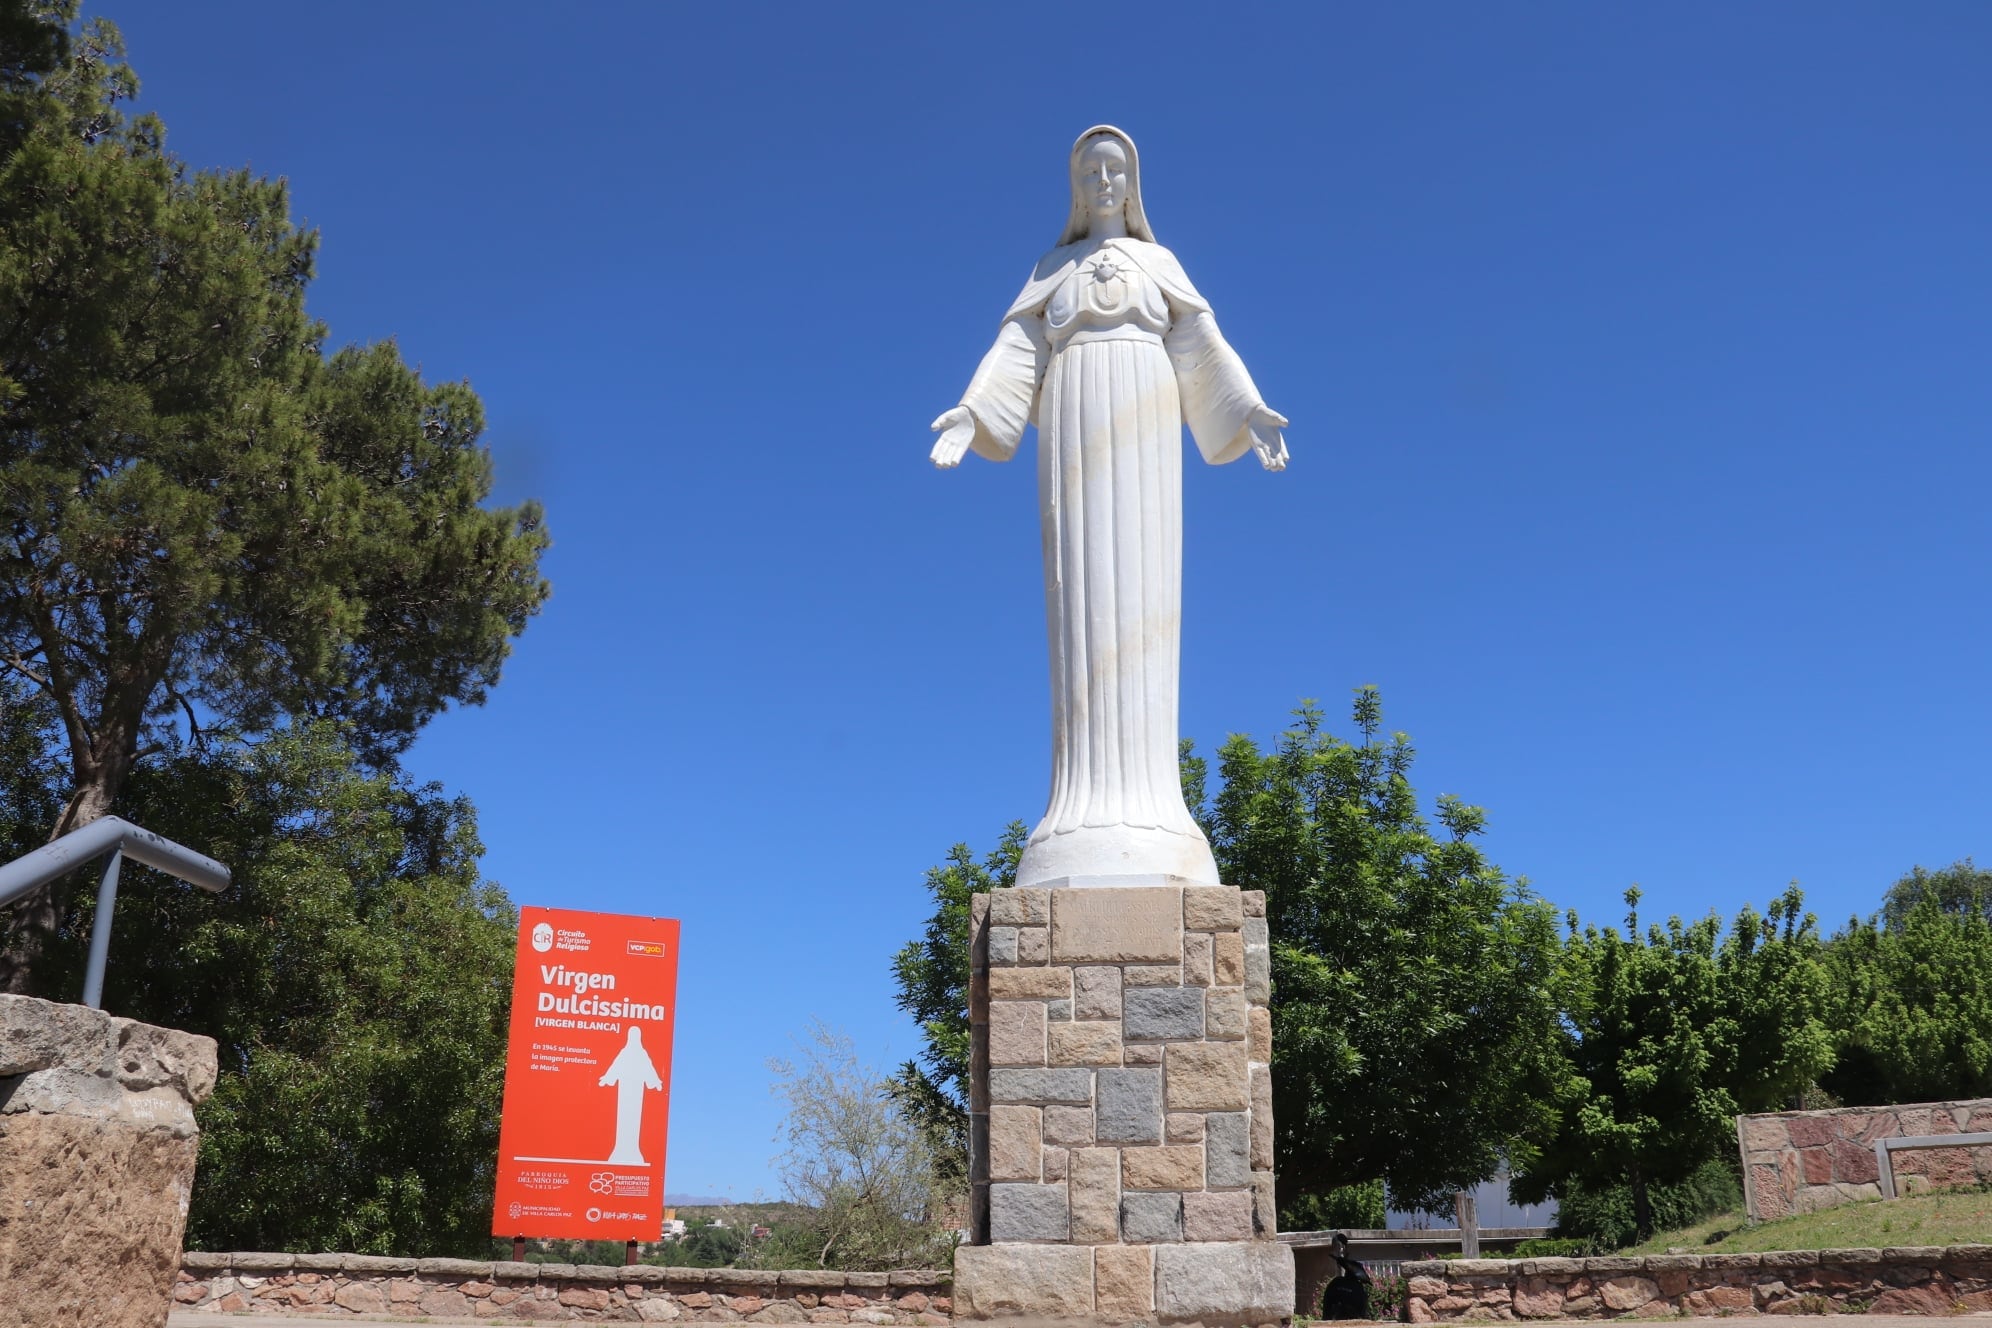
[{"x": 1110, "y": 351}]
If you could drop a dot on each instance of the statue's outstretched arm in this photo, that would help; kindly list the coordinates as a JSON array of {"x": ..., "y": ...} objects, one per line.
[{"x": 993, "y": 412}]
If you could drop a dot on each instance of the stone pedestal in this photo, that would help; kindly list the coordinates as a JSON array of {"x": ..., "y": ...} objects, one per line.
[
  {"x": 97, "y": 1146},
  {"x": 1121, "y": 1113}
]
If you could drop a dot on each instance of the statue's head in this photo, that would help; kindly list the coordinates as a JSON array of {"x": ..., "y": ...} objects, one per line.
[{"x": 1106, "y": 179}]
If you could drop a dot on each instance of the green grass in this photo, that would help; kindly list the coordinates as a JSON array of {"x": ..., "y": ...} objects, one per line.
[{"x": 1955, "y": 1217}]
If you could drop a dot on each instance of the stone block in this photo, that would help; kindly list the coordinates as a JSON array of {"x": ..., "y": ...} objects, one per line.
[
  {"x": 1228, "y": 959},
  {"x": 1055, "y": 1163},
  {"x": 1002, "y": 945},
  {"x": 1129, "y": 1107},
  {"x": 1093, "y": 1177},
  {"x": 1152, "y": 975},
  {"x": 1016, "y": 1143},
  {"x": 1265, "y": 1212},
  {"x": 1058, "y": 1012},
  {"x": 1053, "y": 1282},
  {"x": 1205, "y": 1076},
  {"x": 1225, "y": 1019},
  {"x": 152, "y": 1057},
  {"x": 1098, "y": 993},
  {"x": 1123, "y": 1283},
  {"x": 1257, "y": 935},
  {"x": 1142, "y": 1053},
  {"x": 1228, "y": 1282},
  {"x": 1262, "y": 1118},
  {"x": 1162, "y": 1167},
  {"x": 1016, "y": 1032},
  {"x": 1212, "y": 908},
  {"x": 1183, "y": 1127},
  {"x": 1022, "y": 1212},
  {"x": 1258, "y": 974},
  {"x": 1226, "y": 1216},
  {"x": 1259, "y": 1035},
  {"x": 1151, "y": 1219},
  {"x": 1163, "y": 1014},
  {"x": 41, "y": 1035},
  {"x": 1070, "y": 1086},
  {"x": 1254, "y": 902},
  {"x": 1030, "y": 984},
  {"x": 1196, "y": 959},
  {"x": 1086, "y": 1043},
  {"x": 1129, "y": 925},
  {"x": 1019, "y": 908},
  {"x": 1227, "y": 1149},
  {"x": 1068, "y": 1126},
  {"x": 1033, "y": 945}
]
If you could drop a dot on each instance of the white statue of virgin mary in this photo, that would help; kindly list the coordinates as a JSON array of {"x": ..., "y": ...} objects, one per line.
[{"x": 1110, "y": 351}]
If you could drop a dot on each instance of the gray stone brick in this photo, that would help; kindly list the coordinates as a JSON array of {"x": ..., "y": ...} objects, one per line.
[
  {"x": 1058, "y": 1012},
  {"x": 1130, "y": 1107},
  {"x": 1227, "y": 1149},
  {"x": 1163, "y": 1014},
  {"x": 1027, "y": 1213},
  {"x": 1002, "y": 945},
  {"x": 1151, "y": 1219},
  {"x": 1258, "y": 974},
  {"x": 1256, "y": 933},
  {"x": 1070, "y": 1085}
]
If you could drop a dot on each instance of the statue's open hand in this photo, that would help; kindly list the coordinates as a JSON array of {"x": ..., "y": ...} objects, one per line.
[
  {"x": 957, "y": 430},
  {"x": 1267, "y": 440}
]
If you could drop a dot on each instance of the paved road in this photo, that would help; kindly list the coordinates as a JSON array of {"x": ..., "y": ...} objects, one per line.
[{"x": 189, "y": 1319}]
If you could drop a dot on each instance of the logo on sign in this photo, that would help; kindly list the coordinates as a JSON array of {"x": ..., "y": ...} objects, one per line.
[
  {"x": 655, "y": 948},
  {"x": 602, "y": 1182},
  {"x": 543, "y": 938},
  {"x": 594, "y": 1214}
]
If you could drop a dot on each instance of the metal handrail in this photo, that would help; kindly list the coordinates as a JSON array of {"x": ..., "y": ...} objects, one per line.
[{"x": 120, "y": 838}]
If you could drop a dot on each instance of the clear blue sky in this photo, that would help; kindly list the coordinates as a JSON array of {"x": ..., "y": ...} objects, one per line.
[{"x": 1639, "y": 363}]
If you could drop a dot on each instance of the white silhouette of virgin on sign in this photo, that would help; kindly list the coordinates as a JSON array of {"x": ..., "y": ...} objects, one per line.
[{"x": 631, "y": 1072}]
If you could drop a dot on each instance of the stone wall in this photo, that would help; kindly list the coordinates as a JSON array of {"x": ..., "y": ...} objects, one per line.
[
  {"x": 97, "y": 1150},
  {"x": 1931, "y": 1280},
  {"x": 327, "y": 1284},
  {"x": 1121, "y": 1108},
  {"x": 1802, "y": 1161}
]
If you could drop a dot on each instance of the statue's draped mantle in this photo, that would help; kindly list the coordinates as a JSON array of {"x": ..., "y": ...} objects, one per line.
[{"x": 1110, "y": 351}]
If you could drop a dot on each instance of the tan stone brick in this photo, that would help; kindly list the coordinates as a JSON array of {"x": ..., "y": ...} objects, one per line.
[
  {"x": 1196, "y": 959},
  {"x": 1259, "y": 1035},
  {"x": 1098, "y": 993},
  {"x": 1093, "y": 1181},
  {"x": 1262, "y": 1118},
  {"x": 1016, "y": 1143},
  {"x": 1228, "y": 960},
  {"x": 1226, "y": 1216},
  {"x": 1184, "y": 1127},
  {"x": 1254, "y": 902},
  {"x": 1056, "y": 1161},
  {"x": 1212, "y": 908},
  {"x": 1265, "y": 1213},
  {"x": 1124, "y": 1283},
  {"x": 1043, "y": 984},
  {"x": 1153, "y": 975},
  {"x": 1142, "y": 1053},
  {"x": 1224, "y": 1014},
  {"x": 1118, "y": 926},
  {"x": 1020, "y": 908},
  {"x": 1095, "y": 1043},
  {"x": 1205, "y": 1076},
  {"x": 1162, "y": 1167},
  {"x": 1033, "y": 945},
  {"x": 1068, "y": 1125},
  {"x": 1016, "y": 1032}
]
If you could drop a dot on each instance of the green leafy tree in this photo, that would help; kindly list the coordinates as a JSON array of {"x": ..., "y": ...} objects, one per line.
[
  {"x": 1911, "y": 998},
  {"x": 1414, "y": 985},
  {"x": 932, "y": 975},
  {"x": 1671, "y": 1033},
  {"x": 204, "y": 519},
  {"x": 1961, "y": 888},
  {"x": 356, "y": 976}
]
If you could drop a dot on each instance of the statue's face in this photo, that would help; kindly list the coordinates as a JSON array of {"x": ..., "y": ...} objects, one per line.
[{"x": 1103, "y": 176}]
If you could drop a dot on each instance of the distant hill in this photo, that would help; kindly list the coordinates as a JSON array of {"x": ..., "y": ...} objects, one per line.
[{"x": 695, "y": 1201}]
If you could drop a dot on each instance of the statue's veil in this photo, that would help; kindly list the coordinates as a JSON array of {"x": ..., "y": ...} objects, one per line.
[{"x": 1081, "y": 220}]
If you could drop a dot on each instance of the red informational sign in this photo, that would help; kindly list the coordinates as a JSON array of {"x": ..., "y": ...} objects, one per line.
[{"x": 587, "y": 1077}]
